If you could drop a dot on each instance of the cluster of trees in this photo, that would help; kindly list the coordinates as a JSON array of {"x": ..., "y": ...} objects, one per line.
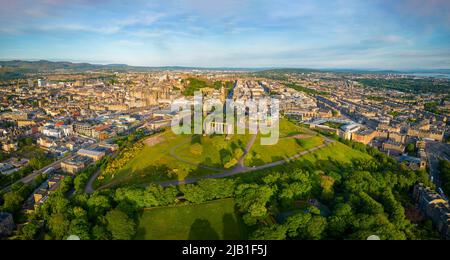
[
  {"x": 38, "y": 160},
  {"x": 127, "y": 153},
  {"x": 444, "y": 171},
  {"x": 81, "y": 179},
  {"x": 95, "y": 216},
  {"x": 112, "y": 214},
  {"x": 306, "y": 90},
  {"x": 434, "y": 107},
  {"x": 356, "y": 201},
  {"x": 14, "y": 199},
  {"x": 196, "y": 84}
]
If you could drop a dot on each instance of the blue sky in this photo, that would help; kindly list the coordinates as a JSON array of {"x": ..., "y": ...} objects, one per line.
[{"x": 370, "y": 34}]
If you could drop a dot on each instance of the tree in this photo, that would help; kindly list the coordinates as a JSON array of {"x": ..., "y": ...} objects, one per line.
[
  {"x": 316, "y": 227},
  {"x": 136, "y": 196},
  {"x": 98, "y": 205},
  {"x": 80, "y": 182},
  {"x": 217, "y": 188},
  {"x": 80, "y": 228},
  {"x": 59, "y": 204},
  {"x": 13, "y": 201},
  {"x": 164, "y": 196},
  {"x": 120, "y": 225},
  {"x": 252, "y": 199},
  {"x": 297, "y": 224},
  {"x": 30, "y": 230},
  {"x": 58, "y": 225},
  {"x": 100, "y": 232},
  {"x": 194, "y": 193},
  {"x": 306, "y": 226},
  {"x": 411, "y": 148},
  {"x": 272, "y": 232}
]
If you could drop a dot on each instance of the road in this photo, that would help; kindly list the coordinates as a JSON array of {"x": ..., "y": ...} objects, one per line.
[
  {"x": 436, "y": 151},
  {"x": 56, "y": 165},
  {"x": 32, "y": 176}
]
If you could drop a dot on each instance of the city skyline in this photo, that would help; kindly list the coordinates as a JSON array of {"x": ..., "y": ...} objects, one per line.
[{"x": 407, "y": 34}]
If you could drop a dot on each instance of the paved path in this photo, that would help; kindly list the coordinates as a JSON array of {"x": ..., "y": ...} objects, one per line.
[
  {"x": 437, "y": 151},
  {"x": 89, "y": 188}
]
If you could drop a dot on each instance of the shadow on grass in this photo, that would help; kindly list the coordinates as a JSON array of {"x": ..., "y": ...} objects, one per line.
[
  {"x": 229, "y": 227},
  {"x": 201, "y": 229}
]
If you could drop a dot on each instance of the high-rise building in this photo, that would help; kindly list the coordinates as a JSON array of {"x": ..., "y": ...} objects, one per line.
[{"x": 42, "y": 83}]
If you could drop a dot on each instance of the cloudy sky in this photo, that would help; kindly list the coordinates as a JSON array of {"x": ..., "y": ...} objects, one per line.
[{"x": 370, "y": 34}]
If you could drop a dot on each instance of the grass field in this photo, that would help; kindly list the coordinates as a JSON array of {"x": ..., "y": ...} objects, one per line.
[
  {"x": 154, "y": 163},
  {"x": 284, "y": 149},
  {"x": 323, "y": 159},
  {"x": 210, "y": 221},
  {"x": 336, "y": 151},
  {"x": 293, "y": 140},
  {"x": 216, "y": 150}
]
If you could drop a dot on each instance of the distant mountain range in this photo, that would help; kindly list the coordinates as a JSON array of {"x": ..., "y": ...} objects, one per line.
[{"x": 19, "y": 68}]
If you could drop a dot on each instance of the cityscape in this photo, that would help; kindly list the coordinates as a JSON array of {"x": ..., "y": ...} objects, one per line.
[{"x": 89, "y": 149}]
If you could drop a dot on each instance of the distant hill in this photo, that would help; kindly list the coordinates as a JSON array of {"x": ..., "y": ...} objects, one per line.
[{"x": 19, "y": 68}]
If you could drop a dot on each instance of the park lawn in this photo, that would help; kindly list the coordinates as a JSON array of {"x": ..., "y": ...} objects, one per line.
[
  {"x": 335, "y": 151},
  {"x": 288, "y": 129},
  {"x": 155, "y": 163},
  {"x": 215, "y": 149},
  {"x": 215, "y": 220},
  {"x": 285, "y": 148}
]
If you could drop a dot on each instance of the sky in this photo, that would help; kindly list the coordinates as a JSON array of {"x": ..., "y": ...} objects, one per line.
[{"x": 369, "y": 34}]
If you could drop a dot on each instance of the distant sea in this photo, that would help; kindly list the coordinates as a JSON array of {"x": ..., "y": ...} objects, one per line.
[{"x": 431, "y": 75}]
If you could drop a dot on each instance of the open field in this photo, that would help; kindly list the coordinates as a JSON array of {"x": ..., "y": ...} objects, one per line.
[
  {"x": 215, "y": 150},
  {"x": 293, "y": 140},
  {"x": 337, "y": 152},
  {"x": 286, "y": 148},
  {"x": 154, "y": 163},
  {"x": 177, "y": 157},
  {"x": 209, "y": 221}
]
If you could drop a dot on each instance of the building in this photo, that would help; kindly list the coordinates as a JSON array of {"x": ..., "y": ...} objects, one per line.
[
  {"x": 42, "y": 193},
  {"x": 75, "y": 165},
  {"x": 399, "y": 138},
  {"x": 364, "y": 136},
  {"x": 42, "y": 83},
  {"x": 433, "y": 206},
  {"x": 300, "y": 114},
  {"x": 10, "y": 146},
  {"x": 83, "y": 129},
  {"x": 51, "y": 131},
  {"x": 426, "y": 134},
  {"x": 7, "y": 168},
  {"x": 219, "y": 128},
  {"x": 94, "y": 155},
  {"x": 110, "y": 147},
  {"x": 348, "y": 131},
  {"x": 413, "y": 163},
  {"x": 392, "y": 146},
  {"x": 7, "y": 225}
]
